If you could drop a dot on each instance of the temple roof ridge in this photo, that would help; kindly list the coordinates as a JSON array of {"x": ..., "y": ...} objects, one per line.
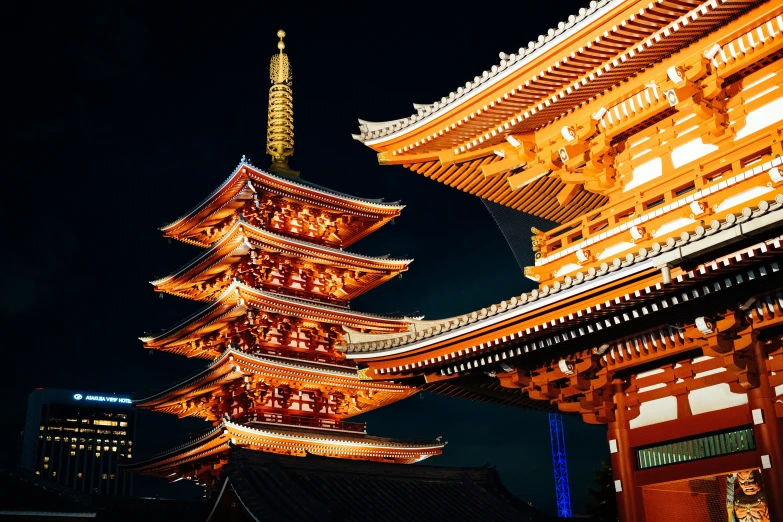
[
  {"x": 286, "y": 180},
  {"x": 228, "y": 236},
  {"x": 370, "y": 131}
]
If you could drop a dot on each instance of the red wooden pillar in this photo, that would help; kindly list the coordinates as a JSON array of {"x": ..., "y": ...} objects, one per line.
[
  {"x": 630, "y": 507},
  {"x": 768, "y": 434}
]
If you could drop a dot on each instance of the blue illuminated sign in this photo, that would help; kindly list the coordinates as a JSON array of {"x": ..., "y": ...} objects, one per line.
[{"x": 102, "y": 398}]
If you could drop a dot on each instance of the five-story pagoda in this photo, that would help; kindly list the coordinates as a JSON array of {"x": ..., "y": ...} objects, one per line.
[{"x": 276, "y": 284}]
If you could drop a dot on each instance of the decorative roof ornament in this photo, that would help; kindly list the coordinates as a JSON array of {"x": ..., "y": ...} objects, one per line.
[{"x": 280, "y": 120}]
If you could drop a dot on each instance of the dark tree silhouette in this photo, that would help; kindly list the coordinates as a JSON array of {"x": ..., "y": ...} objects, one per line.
[{"x": 602, "y": 502}]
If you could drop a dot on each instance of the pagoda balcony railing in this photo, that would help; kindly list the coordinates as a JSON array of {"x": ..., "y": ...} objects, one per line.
[
  {"x": 320, "y": 357},
  {"x": 311, "y": 421}
]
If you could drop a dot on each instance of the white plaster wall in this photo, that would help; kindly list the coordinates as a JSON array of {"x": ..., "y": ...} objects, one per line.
[
  {"x": 714, "y": 398},
  {"x": 653, "y": 412}
]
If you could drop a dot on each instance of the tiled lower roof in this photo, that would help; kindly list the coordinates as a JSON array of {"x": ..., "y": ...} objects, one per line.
[
  {"x": 321, "y": 489},
  {"x": 517, "y": 306}
]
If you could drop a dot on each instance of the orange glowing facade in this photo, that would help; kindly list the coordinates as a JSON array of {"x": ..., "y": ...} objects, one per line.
[
  {"x": 275, "y": 284},
  {"x": 651, "y": 132}
]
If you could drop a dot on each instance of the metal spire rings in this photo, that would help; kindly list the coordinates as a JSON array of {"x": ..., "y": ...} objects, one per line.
[{"x": 280, "y": 122}]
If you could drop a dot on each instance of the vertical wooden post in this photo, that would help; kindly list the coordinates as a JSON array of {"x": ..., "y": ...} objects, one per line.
[
  {"x": 768, "y": 434},
  {"x": 630, "y": 507}
]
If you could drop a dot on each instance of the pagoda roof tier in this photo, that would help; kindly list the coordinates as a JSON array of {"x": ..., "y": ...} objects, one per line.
[
  {"x": 238, "y": 299},
  {"x": 243, "y": 238},
  {"x": 248, "y": 181},
  {"x": 213, "y": 447},
  {"x": 605, "y": 301},
  {"x": 233, "y": 366},
  {"x": 481, "y": 137}
]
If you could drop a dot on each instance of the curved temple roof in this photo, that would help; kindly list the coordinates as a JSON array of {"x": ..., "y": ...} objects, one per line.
[
  {"x": 496, "y": 137},
  {"x": 234, "y": 365},
  {"x": 244, "y": 237},
  {"x": 524, "y": 309},
  {"x": 239, "y": 187},
  {"x": 277, "y": 439},
  {"x": 238, "y": 298},
  {"x": 376, "y": 132}
]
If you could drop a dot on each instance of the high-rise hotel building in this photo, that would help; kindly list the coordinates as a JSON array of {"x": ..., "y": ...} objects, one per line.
[{"x": 79, "y": 438}]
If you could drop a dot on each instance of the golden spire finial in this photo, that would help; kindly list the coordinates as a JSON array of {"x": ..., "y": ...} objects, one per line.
[{"x": 280, "y": 123}]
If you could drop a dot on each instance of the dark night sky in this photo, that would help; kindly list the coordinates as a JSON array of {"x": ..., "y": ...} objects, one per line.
[{"x": 119, "y": 117}]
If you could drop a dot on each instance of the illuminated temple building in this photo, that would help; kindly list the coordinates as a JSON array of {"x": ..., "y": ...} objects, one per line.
[
  {"x": 276, "y": 283},
  {"x": 650, "y": 132}
]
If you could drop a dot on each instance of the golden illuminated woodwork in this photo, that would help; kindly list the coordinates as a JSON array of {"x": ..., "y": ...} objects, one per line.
[
  {"x": 277, "y": 285},
  {"x": 651, "y": 132},
  {"x": 576, "y": 149}
]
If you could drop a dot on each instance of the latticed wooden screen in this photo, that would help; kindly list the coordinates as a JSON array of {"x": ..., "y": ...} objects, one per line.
[{"x": 697, "y": 448}]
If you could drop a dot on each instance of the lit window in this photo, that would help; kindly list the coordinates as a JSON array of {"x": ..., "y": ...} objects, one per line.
[
  {"x": 37, "y": 472},
  {"x": 73, "y": 446},
  {"x": 73, "y": 454},
  {"x": 46, "y": 466},
  {"x": 81, "y": 446},
  {"x": 106, "y": 448},
  {"x": 71, "y": 420},
  {"x": 46, "y": 459},
  {"x": 130, "y": 443},
  {"x": 42, "y": 427},
  {"x": 123, "y": 424},
  {"x": 104, "y": 422},
  {"x": 57, "y": 439},
  {"x": 97, "y": 454},
  {"x": 105, "y": 476},
  {"x": 54, "y": 473},
  {"x": 111, "y": 476},
  {"x": 79, "y": 475},
  {"x": 122, "y": 442},
  {"x": 49, "y": 438},
  {"x": 114, "y": 448},
  {"x": 129, "y": 455},
  {"x": 85, "y": 421}
]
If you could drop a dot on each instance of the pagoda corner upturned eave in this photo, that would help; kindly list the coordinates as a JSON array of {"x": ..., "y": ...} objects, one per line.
[{"x": 238, "y": 188}]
